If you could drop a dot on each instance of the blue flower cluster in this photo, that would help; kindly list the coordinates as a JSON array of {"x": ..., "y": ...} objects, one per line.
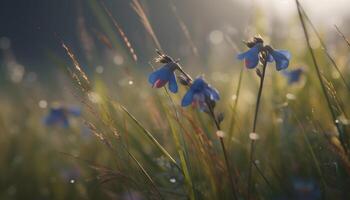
[{"x": 199, "y": 94}]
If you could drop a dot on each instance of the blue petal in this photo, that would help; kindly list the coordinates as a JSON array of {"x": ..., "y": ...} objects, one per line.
[
  {"x": 162, "y": 73},
  {"x": 251, "y": 57},
  {"x": 285, "y": 53},
  {"x": 270, "y": 58},
  {"x": 187, "y": 99},
  {"x": 172, "y": 83},
  {"x": 241, "y": 56},
  {"x": 213, "y": 94},
  {"x": 198, "y": 83},
  {"x": 282, "y": 59}
]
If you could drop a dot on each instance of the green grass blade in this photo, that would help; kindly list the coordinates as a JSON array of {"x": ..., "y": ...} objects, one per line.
[
  {"x": 181, "y": 152},
  {"x": 151, "y": 137}
]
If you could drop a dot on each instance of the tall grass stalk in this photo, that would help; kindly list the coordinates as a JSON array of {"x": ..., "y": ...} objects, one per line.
[
  {"x": 314, "y": 60},
  {"x": 218, "y": 127},
  {"x": 324, "y": 47},
  {"x": 343, "y": 36}
]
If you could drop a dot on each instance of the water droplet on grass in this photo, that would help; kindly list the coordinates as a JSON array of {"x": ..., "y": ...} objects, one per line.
[{"x": 172, "y": 180}]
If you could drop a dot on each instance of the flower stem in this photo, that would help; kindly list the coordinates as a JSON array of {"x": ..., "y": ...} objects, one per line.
[
  {"x": 252, "y": 141},
  {"x": 217, "y": 124}
]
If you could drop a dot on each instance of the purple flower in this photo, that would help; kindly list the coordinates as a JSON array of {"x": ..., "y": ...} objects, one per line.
[
  {"x": 293, "y": 76},
  {"x": 59, "y": 116},
  {"x": 251, "y": 57},
  {"x": 199, "y": 93},
  {"x": 164, "y": 75}
]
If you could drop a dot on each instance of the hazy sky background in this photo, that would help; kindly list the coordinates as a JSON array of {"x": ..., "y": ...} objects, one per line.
[
  {"x": 31, "y": 24},
  {"x": 324, "y": 12}
]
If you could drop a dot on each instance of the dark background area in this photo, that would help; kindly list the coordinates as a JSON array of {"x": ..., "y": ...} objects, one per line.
[
  {"x": 30, "y": 25},
  {"x": 35, "y": 27}
]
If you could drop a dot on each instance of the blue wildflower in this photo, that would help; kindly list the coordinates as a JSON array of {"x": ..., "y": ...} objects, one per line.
[
  {"x": 164, "y": 75},
  {"x": 293, "y": 76},
  {"x": 252, "y": 56},
  {"x": 199, "y": 93},
  {"x": 59, "y": 115}
]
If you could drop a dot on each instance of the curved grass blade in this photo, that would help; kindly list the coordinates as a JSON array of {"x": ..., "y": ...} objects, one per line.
[{"x": 151, "y": 137}]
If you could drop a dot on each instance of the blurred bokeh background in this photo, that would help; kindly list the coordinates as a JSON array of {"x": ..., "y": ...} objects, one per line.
[{"x": 39, "y": 161}]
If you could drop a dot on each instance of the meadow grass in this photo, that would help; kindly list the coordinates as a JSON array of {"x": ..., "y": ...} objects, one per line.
[{"x": 133, "y": 141}]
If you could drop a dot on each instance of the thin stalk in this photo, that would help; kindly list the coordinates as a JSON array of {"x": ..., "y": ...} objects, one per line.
[
  {"x": 252, "y": 142},
  {"x": 143, "y": 170},
  {"x": 343, "y": 36},
  {"x": 217, "y": 124},
  {"x": 334, "y": 117}
]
